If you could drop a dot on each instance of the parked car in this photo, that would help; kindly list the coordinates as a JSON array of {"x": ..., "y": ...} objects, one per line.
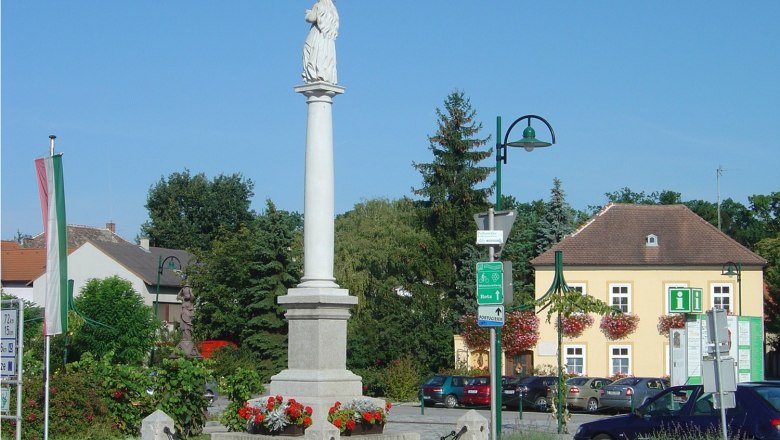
[
  {"x": 444, "y": 389},
  {"x": 584, "y": 393},
  {"x": 689, "y": 412},
  {"x": 477, "y": 390},
  {"x": 630, "y": 392},
  {"x": 531, "y": 392}
]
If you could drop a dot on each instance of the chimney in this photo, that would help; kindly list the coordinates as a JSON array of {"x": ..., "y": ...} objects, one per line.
[
  {"x": 145, "y": 244},
  {"x": 111, "y": 226}
]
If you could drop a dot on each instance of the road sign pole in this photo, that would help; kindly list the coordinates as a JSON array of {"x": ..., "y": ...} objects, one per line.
[{"x": 495, "y": 344}]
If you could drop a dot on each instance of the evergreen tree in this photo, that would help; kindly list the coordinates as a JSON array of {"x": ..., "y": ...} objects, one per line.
[
  {"x": 450, "y": 185},
  {"x": 237, "y": 281},
  {"x": 558, "y": 220}
]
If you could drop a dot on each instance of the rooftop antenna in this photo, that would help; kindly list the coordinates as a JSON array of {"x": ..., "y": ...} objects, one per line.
[
  {"x": 51, "y": 144},
  {"x": 718, "y": 173}
]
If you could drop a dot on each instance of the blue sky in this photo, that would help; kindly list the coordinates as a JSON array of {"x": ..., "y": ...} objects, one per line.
[{"x": 649, "y": 95}]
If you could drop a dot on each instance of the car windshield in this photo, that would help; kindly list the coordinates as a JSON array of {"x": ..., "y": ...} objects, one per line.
[
  {"x": 629, "y": 381},
  {"x": 479, "y": 381},
  {"x": 435, "y": 381},
  {"x": 576, "y": 381},
  {"x": 771, "y": 394},
  {"x": 668, "y": 403}
]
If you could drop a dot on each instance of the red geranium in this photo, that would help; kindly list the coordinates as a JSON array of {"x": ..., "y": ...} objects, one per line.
[
  {"x": 618, "y": 326},
  {"x": 520, "y": 332},
  {"x": 573, "y": 325},
  {"x": 276, "y": 414},
  {"x": 667, "y": 322}
]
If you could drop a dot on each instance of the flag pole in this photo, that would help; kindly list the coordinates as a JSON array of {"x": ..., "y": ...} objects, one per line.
[{"x": 47, "y": 343}]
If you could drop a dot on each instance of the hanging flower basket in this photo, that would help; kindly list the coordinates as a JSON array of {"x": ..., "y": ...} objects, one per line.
[
  {"x": 668, "y": 322},
  {"x": 520, "y": 332},
  {"x": 476, "y": 337},
  {"x": 618, "y": 326},
  {"x": 574, "y": 324}
]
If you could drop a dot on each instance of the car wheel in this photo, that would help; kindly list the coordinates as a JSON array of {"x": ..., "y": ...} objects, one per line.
[
  {"x": 450, "y": 401},
  {"x": 593, "y": 405},
  {"x": 602, "y": 437},
  {"x": 541, "y": 403}
]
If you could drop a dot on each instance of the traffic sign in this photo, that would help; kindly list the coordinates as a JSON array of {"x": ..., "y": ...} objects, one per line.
[
  {"x": 490, "y": 316},
  {"x": 7, "y": 367},
  {"x": 490, "y": 283},
  {"x": 684, "y": 300}
]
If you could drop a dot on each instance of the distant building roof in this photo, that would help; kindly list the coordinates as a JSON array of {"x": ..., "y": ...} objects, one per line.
[
  {"x": 80, "y": 234},
  {"x": 20, "y": 265},
  {"x": 145, "y": 263},
  {"x": 662, "y": 235}
]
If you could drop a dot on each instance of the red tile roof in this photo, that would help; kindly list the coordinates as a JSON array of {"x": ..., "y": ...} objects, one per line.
[
  {"x": 20, "y": 264},
  {"x": 616, "y": 236}
]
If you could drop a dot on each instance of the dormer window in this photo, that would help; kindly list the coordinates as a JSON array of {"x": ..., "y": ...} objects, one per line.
[{"x": 651, "y": 240}]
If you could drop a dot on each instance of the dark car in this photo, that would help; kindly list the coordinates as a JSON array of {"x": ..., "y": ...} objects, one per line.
[
  {"x": 531, "y": 392},
  {"x": 630, "y": 392},
  {"x": 584, "y": 393},
  {"x": 444, "y": 389},
  {"x": 687, "y": 409},
  {"x": 477, "y": 390}
]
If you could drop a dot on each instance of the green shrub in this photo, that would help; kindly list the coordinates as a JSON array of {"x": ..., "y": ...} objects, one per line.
[
  {"x": 228, "y": 359},
  {"x": 401, "y": 379},
  {"x": 373, "y": 381},
  {"x": 178, "y": 392},
  {"x": 239, "y": 387}
]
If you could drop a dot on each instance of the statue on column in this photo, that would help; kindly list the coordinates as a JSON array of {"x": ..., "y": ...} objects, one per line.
[
  {"x": 185, "y": 323},
  {"x": 319, "y": 49}
]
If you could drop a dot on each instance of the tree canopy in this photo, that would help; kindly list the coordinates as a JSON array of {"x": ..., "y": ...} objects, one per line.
[{"x": 187, "y": 212}]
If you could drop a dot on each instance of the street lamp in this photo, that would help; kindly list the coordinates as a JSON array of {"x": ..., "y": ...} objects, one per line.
[
  {"x": 730, "y": 269},
  {"x": 171, "y": 261},
  {"x": 529, "y": 143}
]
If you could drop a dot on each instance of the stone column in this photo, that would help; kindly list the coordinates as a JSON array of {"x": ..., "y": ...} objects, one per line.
[{"x": 317, "y": 309}]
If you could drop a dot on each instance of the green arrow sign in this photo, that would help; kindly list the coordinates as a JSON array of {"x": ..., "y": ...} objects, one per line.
[{"x": 490, "y": 283}]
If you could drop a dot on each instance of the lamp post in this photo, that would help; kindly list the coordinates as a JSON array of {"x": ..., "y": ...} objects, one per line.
[
  {"x": 171, "y": 261},
  {"x": 730, "y": 269},
  {"x": 529, "y": 143}
]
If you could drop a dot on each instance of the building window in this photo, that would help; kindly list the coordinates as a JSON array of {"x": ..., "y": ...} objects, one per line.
[
  {"x": 574, "y": 359},
  {"x": 651, "y": 240},
  {"x": 619, "y": 360},
  {"x": 620, "y": 297},
  {"x": 579, "y": 287},
  {"x": 721, "y": 297}
]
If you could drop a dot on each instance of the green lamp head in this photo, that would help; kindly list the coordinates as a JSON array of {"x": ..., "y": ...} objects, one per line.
[{"x": 529, "y": 141}]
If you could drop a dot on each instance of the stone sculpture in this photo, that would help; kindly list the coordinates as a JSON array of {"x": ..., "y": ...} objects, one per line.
[
  {"x": 319, "y": 49},
  {"x": 185, "y": 324}
]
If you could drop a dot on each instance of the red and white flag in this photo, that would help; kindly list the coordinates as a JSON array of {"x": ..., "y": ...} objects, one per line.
[{"x": 52, "y": 194}]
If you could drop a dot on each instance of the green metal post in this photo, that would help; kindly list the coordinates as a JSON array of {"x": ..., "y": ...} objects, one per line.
[
  {"x": 156, "y": 302},
  {"x": 498, "y": 163}
]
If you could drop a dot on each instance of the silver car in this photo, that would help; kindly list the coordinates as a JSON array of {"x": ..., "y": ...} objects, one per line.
[
  {"x": 630, "y": 392},
  {"x": 584, "y": 393}
]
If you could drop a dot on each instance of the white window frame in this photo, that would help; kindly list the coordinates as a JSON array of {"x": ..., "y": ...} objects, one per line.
[
  {"x": 627, "y": 295},
  {"x": 729, "y": 295},
  {"x": 581, "y": 355},
  {"x": 627, "y": 356},
  {"x": 668, "y": 286},
  {"x": 581, "y": 287}
]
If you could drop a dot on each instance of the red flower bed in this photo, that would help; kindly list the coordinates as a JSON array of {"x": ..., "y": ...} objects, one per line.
[
  {"x": 476, "y": 337},
  {"x": 619, "y": 326}
]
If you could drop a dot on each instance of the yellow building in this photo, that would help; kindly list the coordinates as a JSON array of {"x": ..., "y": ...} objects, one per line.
[{"x": 629, "y": 256}]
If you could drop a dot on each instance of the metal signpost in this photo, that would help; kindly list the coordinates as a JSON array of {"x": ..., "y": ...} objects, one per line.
[
  {"x": 11, "y": 337},
  {"x": 494, "y": 228}
]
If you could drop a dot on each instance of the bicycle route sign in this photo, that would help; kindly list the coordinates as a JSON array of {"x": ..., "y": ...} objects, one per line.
[{"x": 490, "y": 283}]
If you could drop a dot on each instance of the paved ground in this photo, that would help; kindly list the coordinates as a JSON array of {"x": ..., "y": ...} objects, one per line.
[{"x": 437, "y": 422}]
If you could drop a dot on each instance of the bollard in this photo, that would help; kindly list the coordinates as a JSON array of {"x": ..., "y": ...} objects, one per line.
[
  {"x": 154, "y": 425},
  {"x": 475, "y": 424}
]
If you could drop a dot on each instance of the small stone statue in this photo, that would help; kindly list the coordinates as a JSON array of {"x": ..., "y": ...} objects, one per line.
[
  {"x": 185, "y": 324},
  {"x": 319, "y": 49}
]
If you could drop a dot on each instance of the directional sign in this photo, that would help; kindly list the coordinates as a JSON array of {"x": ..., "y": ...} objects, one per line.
[
  {"x": 685, "y": 300},
  {"x": 490, "y": 283},
  {"x": 7, "y": 367},
  {"x": 490, "y": 316}
]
